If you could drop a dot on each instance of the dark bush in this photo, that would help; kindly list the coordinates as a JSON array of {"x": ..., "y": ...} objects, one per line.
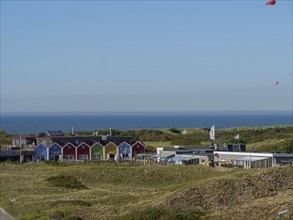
[
  {"x": 58, "y": 215},
  {"x": 175, "y": 130},
  {"x": 288, "y": 145},
  {"x": 73, "y": 218},
  {"x": 66, "y": 182},
  {"x": 165, "y": 214},
  {"x": 5, "y": 138}
]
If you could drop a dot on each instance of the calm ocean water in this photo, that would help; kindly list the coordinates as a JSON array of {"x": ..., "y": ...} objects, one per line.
[{"x": 34, "y": 124}]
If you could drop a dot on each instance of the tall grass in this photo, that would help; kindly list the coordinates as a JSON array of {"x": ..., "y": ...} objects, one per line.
[
  {"x": 112, "y": 189},
  {"x": 118, "y": 191}
]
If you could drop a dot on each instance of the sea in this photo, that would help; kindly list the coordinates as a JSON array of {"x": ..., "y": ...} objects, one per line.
[{"x": 35, "y": 123}]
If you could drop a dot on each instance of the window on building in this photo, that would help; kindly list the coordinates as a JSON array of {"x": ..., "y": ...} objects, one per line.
[{"x": 69, "y": 157}]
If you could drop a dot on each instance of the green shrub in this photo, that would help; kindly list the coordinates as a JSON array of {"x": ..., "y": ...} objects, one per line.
[
  {"x": 149, "y": 214},
  {"x": 174, "y": 130},
  {"x": 288, "y": 145},
  {"x": 73, "y": 218},
  {"x": 66, "y": 182},
  {"x": 5, "y": 138},
  {"x": 57, "y": 215},
  {"x": 184, "y": 214},
  {"x": 164, "y": 214}
]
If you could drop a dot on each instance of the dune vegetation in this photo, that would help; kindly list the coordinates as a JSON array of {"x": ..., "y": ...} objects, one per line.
[
  {"x": 260, "y": 139},
  {"x": 48, "y": 190}
]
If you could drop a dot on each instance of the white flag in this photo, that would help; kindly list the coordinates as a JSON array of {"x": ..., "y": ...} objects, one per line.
[
  {"x": 237, "y": 137},
  {"x": 212, "y": 133}
]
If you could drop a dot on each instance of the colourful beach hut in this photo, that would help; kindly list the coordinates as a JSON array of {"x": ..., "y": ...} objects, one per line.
[
  {"x": 69, "y": 152},
  {"x": 124, "y": 150},
  {"x": 83, "y": 151},
  {"x": 55, "y": 152},
  {"x": 40, "y": 153},
  {"x": 111, "y": 151},
  {"x": 138, "y": 148},
  {"x": 97, "y": 151}
]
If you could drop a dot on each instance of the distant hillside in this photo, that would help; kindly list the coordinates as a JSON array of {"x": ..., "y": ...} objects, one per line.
[{"x": 198, "y": 135}]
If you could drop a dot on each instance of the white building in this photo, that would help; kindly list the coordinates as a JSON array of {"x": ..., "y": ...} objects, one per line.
[{"x": 253, "y": 160}]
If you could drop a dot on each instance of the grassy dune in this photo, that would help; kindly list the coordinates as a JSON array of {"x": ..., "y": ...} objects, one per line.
[
  {"x": 121, "y": 191},
  {"x": 260, "y": 139}
]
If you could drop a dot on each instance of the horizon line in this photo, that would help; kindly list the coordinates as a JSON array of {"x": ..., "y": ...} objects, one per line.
[{"x": 202, "y": 112}]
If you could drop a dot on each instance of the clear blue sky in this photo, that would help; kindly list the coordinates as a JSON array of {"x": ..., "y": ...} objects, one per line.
[{"x": 96, "y": 56}]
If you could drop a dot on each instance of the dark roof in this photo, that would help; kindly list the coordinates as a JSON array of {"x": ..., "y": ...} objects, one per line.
[
  {"x": 90, "y": 140},
  {"x": 182, "y": 148},
  {"x": 191, "y": 150},
  {"x": 55, "y": 133},
  {"x": 282, "y": 155}
]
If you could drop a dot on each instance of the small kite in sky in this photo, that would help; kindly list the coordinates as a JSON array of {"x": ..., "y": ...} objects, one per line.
[
  {"x": 272, "y": 2},
  {"x": 275, "y": 83}
]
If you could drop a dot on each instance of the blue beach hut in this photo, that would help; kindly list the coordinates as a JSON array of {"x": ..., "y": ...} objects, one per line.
[
  {"x": 41, "y": 153},
  {"x": 124, "y": 150},
  {"x": 55, "y": 152}
]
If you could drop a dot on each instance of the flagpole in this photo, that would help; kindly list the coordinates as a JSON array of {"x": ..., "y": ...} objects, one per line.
[
  {"x": 19, "y": 148},
  {"x": 212, "y": 135}
]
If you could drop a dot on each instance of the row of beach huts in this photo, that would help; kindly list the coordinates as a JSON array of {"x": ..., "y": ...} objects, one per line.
[
  {"x": 70, "y": 152},
  {"x": 55, "y": 146},
  {"x": 81, "y": 152}
]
